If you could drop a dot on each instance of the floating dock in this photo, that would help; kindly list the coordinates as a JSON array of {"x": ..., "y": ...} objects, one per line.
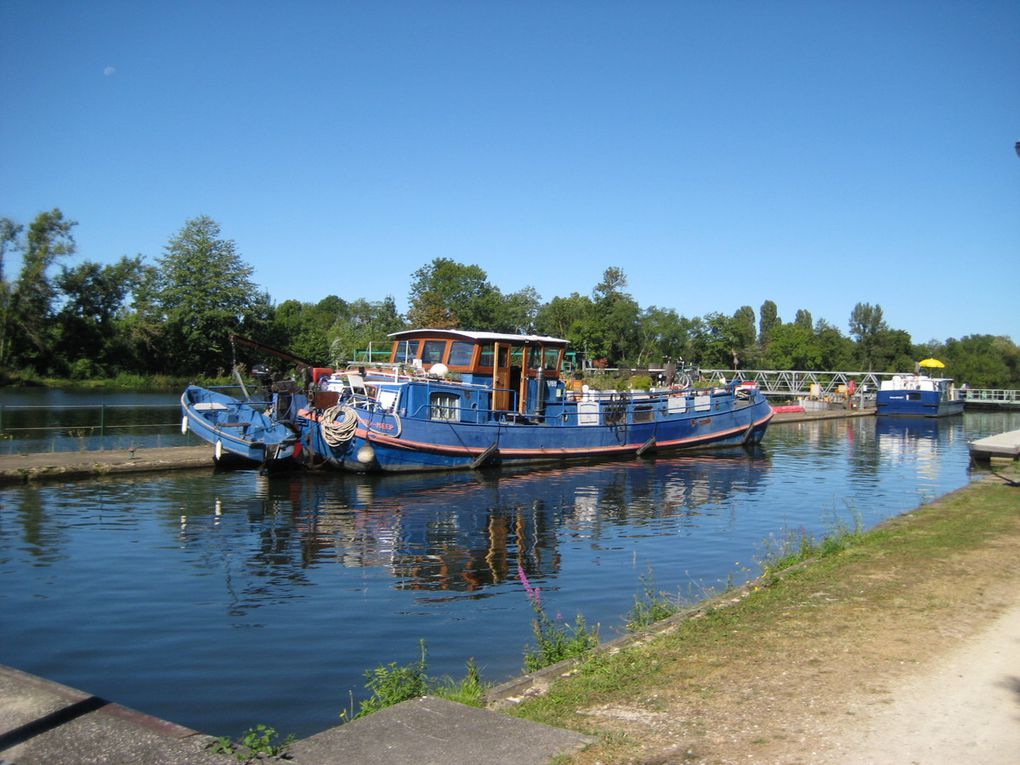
[{"x": 1005, "y": 445}]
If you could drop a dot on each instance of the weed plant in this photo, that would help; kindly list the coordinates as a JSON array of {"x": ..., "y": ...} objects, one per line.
[
  {"x": 391, "y": 684},
  {"x": 555, "y": 639},
  {"x": 650, "y": 606},
  {"x": 797, "y": 545},
  {"x": 255, "y": 744}
]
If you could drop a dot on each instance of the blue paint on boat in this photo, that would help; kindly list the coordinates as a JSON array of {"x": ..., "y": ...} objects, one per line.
[
  {"x": 238, "y": 428},
  {"x": 918, "y": 395},
  {"x": 458, "y": 399}
]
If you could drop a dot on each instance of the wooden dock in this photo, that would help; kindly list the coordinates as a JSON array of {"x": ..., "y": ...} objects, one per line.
[{"x": 1006, "y": 445}]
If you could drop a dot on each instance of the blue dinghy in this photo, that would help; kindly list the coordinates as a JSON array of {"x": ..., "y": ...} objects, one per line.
[
  {"x": 237, "y": 428},
  {"x": 459, "y": 399}
]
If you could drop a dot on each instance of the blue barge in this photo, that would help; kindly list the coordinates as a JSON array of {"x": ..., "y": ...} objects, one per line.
[{"x": 454, "y": 399}]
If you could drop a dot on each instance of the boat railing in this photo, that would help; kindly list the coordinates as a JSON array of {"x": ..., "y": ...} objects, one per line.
[{"x": 613, "y": 407}]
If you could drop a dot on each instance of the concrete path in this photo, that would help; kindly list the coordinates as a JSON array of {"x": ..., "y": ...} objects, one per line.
[
  {"x": 22, "y": 468},
  {"x": 431, "y": 731}
]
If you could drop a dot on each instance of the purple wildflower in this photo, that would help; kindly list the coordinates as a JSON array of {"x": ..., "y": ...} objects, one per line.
[{"x": 534, "y": 593}]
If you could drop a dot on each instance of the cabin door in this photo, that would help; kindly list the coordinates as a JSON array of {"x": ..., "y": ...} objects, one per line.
[{"x": 501, "y": 378}]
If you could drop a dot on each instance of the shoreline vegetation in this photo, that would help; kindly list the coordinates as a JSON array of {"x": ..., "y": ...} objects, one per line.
[
  {"x": 831, "y": 622},
  {"x": 89, "y": 320}
]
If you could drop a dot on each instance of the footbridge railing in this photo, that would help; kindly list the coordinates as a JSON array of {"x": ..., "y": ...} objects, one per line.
[
  {"x": 791, "y": 383},
  {"x": 991, "y": 396}
]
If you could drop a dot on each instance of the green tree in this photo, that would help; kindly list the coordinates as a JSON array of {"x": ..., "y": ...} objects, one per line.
[
  {"x": 719, "y": 340},
  {"x": 803, "y": 319},
  {"x": 447, "y": 295},
  {"x": 562, "y": 317},
  {"x": 768, "y": 319},
  {"x": 664, "y": 335},
  {"x": 518, "y": 311},
  {"x": 611, "y": 331},
  {"x": 836, "y": 350},
  {"x": 30, "y": 304},
  {"x": 983, "y": 361},
  {"x": 361, "y": 324},
  {"x": 204, "y": 292},
  {"x": 744, "y": 337},
  {"x": 10, "y": 241},
  {"x": 866, "y": 324},
  {"x": 793, "y": 347},
  {"x": 89, "y": 341},
  {"x": 304, "y": 328}
]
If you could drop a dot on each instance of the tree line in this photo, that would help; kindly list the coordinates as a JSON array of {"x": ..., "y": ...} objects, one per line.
[{"x": 175, "y": 317}]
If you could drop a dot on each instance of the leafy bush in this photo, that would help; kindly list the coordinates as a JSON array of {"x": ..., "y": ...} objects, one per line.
[{"x": 640, "y": 382}]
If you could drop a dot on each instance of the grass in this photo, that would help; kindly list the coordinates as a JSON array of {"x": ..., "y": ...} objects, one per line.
[
  {"x": 813, "y": 591},
  {"x": 391, "y": 684},
  {"x": 651, "y": 606}
]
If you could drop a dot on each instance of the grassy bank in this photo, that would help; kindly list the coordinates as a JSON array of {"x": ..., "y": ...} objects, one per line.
[{"x": 763, "y": 671}]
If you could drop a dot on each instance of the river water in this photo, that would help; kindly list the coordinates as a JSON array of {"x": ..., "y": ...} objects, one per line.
[{"x": 224, "y": 600}]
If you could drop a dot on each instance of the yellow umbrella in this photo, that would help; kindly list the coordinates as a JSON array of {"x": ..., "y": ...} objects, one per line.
[{"x": 933, "y": 363}]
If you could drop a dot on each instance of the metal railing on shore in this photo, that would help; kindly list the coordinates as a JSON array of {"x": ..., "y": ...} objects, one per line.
[{"x": 38, "y": 428}]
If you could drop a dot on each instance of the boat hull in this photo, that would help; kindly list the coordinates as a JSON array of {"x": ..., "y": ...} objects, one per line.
[
  {"x": 385, "y": 442},
  {"x": 237, "y": 429},
  {"x": 902, "y": 403}
]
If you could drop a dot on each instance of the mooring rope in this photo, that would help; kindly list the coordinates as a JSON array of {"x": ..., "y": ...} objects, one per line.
[{"x": 338, "y": 424}]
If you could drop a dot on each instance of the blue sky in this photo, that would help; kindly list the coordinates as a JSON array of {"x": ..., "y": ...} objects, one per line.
[{"x": 817, "y": 154}]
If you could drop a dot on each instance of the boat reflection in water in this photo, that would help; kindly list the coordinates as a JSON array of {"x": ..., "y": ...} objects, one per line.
[
  {"x": 914, "y": 441},
  {"x": 463, "y": 532}
]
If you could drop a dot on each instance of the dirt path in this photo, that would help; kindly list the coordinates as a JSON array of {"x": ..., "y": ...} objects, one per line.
[{"x": 963, "y": 709}]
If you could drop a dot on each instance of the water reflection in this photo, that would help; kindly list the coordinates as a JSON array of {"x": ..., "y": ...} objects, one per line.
[{"x": 468, "y": 531}]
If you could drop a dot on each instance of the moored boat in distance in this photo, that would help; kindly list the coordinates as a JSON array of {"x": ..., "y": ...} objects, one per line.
[
  {"x": 918, "y": 395},
  {"x": 461, "y": 399},
  {"x": 238, "y": 429}
]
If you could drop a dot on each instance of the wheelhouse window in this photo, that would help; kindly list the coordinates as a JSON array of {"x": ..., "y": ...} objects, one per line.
[
  {"x": 433, "y": 351},
  {"x": 444, "y": 406},
  {"x": 405, "y": 352},
  {"x": 535, "y": 357},
  {"x": 552, "y": 359},
  {"x": 461, "y": 353},
  {"x": 486, "y": 355}
]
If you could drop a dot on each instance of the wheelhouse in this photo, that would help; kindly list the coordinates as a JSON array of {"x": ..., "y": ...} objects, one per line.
[{"x": 521, "y": 371}]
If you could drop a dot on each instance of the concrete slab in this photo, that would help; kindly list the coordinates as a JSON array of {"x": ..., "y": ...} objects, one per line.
[
  {"x": 1003, "y": 445},
  {"x": 432, "y": 731},
  {"x": 45, "y": 722}
]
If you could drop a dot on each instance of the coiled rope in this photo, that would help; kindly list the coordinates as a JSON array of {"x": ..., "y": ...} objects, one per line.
[{"x": 338, "y": 424}]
